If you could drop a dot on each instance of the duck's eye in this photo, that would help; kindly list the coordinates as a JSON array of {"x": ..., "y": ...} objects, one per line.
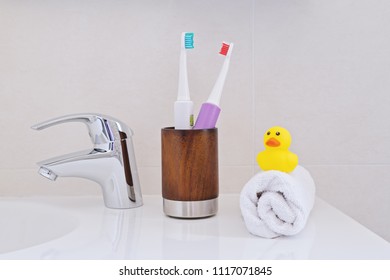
[
  {"x": 277, "y": 133},
  {"x": 269, "y": 132}
]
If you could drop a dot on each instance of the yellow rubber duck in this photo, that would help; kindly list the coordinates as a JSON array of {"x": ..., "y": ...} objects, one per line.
[{"x": 276, "y": 156}]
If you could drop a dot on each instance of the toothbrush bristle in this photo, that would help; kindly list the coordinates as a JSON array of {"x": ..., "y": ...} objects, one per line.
[
  {"x": 224, "y": 49},
  {"x": 189, "y": 40}
]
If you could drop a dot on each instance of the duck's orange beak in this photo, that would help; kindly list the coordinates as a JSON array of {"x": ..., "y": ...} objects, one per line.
[{"x": 272, "y": 142}]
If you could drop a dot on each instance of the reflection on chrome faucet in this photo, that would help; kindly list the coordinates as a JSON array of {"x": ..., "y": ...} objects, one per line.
[{"x": 111, "y": 162}]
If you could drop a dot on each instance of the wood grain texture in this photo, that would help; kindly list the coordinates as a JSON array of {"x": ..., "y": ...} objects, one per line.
[{"x": 189, "y": 164}]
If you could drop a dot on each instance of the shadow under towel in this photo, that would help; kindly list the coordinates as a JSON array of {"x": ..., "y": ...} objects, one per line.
[{"x": 275, "y": 203}]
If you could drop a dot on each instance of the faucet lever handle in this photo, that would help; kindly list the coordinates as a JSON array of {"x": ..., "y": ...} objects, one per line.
[{"x": 102, "y": 129}]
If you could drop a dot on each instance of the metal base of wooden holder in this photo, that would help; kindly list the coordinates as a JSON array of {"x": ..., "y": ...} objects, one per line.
[{"x": 190, "y": 209}]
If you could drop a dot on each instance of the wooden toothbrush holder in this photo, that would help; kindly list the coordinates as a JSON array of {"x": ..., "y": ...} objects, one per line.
[{"x": 189, "y": 172}]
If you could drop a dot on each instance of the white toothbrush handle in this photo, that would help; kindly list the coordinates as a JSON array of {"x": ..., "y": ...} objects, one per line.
[{"x": 184, "y": 114}]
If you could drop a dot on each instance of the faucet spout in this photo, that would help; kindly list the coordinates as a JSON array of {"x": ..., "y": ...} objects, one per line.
[{"x": 47, "y": 173}]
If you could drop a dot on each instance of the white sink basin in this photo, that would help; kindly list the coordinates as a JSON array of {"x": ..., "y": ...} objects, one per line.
[
  {"x": 83, "y": 228},
  {"x": 25, "y": 224}
]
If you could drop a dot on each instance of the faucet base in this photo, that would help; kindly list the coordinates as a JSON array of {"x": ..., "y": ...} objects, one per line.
[
  {"x": 123, "y": 205},
  {"x": 190, "y": 209}
]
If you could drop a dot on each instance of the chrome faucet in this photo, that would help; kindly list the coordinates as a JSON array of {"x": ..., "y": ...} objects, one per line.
[{"x": 111, "y": 162}]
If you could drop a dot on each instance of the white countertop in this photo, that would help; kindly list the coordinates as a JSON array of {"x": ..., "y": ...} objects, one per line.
[{"x": 82, "y": 228}]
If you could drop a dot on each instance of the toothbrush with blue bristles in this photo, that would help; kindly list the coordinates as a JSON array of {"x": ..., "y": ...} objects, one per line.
[
  {"x": 210, "y": 110},
  {"x": 183, "y": 108}
]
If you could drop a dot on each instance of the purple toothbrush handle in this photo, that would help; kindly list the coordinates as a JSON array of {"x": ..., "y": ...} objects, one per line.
[{"x": 208, "y": 116}]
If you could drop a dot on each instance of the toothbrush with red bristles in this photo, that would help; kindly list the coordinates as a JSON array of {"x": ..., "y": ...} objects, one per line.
[{"x": 209, "y": 112}]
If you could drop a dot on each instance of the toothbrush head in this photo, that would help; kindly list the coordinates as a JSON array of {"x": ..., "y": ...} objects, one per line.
[
  {"x": 188, "y": 40},
  {"x": 226, "y": 49}
]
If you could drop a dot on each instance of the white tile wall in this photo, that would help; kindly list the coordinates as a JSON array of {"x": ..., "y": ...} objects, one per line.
[{"x": 319, "y": 68}]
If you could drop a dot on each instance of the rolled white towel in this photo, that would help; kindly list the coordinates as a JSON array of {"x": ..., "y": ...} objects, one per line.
[{"x": 275, "y": 203}]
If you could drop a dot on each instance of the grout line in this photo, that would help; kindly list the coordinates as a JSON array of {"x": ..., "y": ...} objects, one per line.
[
  {"x": 254, "y": 165},
  {"x": 253, "y": 83},
  {"x": 348, "y": 164},
  {"x": 318, "y": 165}
]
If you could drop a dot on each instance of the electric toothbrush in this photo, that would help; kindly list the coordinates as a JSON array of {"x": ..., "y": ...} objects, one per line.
[
  {"x": 210, "y": 110},
  {"x": 183, "y": 107}
]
